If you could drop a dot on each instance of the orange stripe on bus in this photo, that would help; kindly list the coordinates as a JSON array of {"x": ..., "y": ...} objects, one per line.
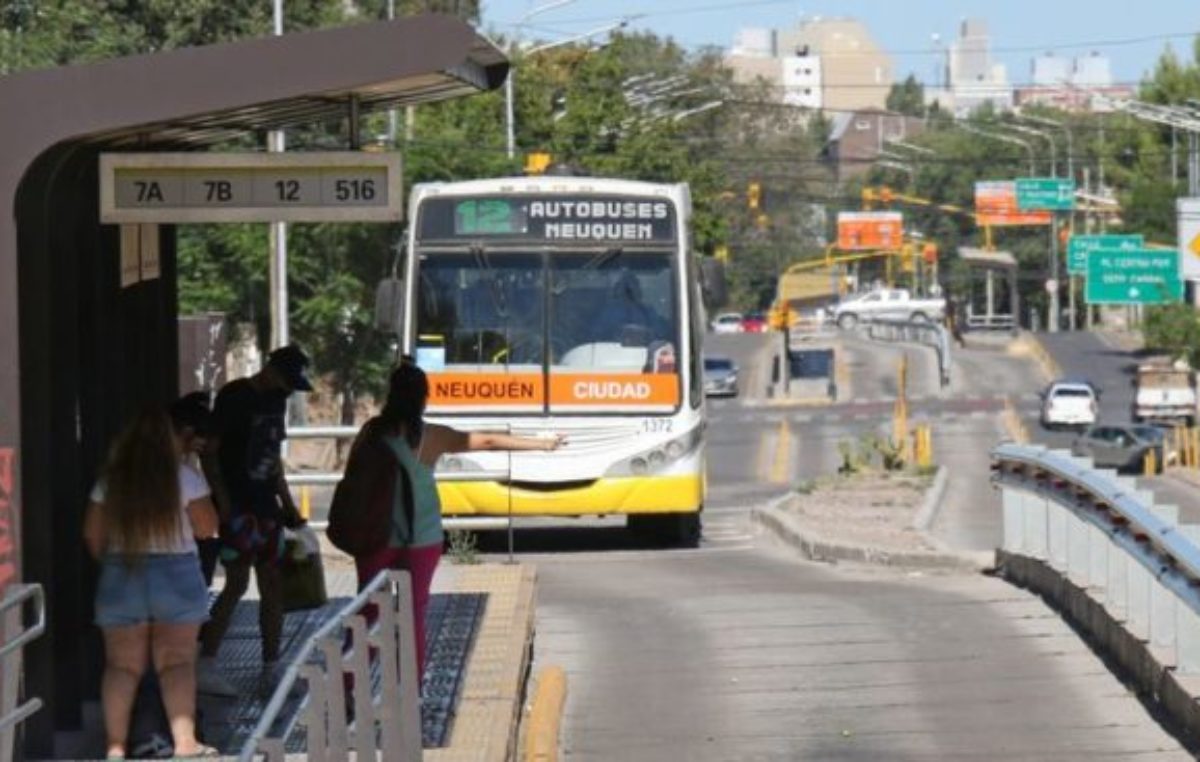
[
  {"x": 614, "y": 389},
  {"x": 486, "y": 389}
]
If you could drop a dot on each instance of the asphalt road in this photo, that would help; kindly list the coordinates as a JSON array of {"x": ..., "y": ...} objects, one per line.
[
  {"x": 738, "y": 650},
  {"x": 1087, "y": 355}
]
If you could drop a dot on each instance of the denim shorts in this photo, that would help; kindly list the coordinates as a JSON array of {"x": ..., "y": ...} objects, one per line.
[{"x": 166, "y": 588}]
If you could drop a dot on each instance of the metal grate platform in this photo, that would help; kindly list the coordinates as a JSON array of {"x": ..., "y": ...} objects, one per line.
[{"x": 451, "y": 623}]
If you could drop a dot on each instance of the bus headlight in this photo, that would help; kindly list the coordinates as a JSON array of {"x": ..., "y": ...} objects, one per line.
[{"x": 658, "y": 457}]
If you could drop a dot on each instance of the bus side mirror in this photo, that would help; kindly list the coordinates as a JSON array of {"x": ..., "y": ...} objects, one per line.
[
  {"x": 713, "y": 287},
  {"x": 389, "y": 306}
]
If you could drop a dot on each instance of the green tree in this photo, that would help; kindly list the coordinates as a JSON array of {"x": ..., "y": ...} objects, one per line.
[
  {"x": 1174, "y": 328},
  {"x": 907, "y": 97}
]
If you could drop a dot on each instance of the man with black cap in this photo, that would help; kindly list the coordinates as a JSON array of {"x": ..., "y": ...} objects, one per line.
[{"x": 245, "y": 470}]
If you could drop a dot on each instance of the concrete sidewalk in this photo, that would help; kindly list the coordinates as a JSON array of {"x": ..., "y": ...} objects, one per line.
[
  {"x": 482, "y": 715},
  {"x": 489, "y": 676}
]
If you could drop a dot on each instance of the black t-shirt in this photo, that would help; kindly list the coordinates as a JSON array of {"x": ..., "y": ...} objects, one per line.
[{"x": 251, "y": 427}]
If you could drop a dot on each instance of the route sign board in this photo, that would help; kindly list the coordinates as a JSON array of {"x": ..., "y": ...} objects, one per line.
[
  {"x": 1140, "y": 276},
  {"x": 1189, "y": 237},
  {"x": 996, "y": 204},
  {"x": 1045, "y": 193},
  {"x": 1079, "y": 246},
  {"x": 344, "y": 186},
  {"x": 870, "y": 231}
]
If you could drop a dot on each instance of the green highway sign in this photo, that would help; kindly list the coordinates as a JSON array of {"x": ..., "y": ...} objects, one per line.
[
  {"x": 1045, "y": 193},
  {"x": 1080, "y": 246},
  {"x": 1139, "y": 276}
]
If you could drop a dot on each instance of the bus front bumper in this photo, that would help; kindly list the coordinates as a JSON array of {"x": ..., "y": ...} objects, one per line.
[{"x": 633, "y": 494}]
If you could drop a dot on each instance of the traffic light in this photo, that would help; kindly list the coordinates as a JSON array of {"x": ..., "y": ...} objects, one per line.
[
  {"x": 886, "y": 195},
  {"x": 721, "y": 253},
  {"x": 754, "y": 196}
]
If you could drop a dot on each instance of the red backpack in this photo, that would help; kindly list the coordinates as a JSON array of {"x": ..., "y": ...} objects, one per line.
[{"x": 360, "y": 515}]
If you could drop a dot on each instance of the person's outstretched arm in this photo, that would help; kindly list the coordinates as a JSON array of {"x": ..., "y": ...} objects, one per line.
[{"x": 443, "y": 439}]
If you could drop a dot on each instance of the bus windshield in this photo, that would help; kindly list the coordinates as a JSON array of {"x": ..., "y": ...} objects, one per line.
[{"x": 582, "y": 330}]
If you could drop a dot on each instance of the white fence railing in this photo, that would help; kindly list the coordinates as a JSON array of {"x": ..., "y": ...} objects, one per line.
[
  {"x": 1105, "y": 535},
  {"x": 17, "y": 635},
  {"x": 918, "y": 332},
  {"x": 387, "y": 724}
]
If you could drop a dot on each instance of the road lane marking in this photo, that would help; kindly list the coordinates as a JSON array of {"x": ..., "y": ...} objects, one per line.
[{"x": 783, "y": 448}]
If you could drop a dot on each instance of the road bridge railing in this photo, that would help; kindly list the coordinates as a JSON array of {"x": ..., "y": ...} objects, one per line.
[
  {"x": 381, "y": 722},
  {"x": 924, "y": 332},
  {"x": 1100, "y": 532}
]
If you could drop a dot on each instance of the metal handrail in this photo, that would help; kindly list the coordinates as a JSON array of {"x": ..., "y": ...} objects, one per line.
[
  {"x": 401, "y": 723},
  {"x": 18, "y": 595},
  {"x": 22, "y": 594},
  {"x": 922, "y": 332},
  {"x": 1165, "y": 543},
  {"x": 331, "y": 478}
]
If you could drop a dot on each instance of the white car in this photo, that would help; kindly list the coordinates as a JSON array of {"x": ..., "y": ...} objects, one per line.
[
  {"x": 888, "y": 304},
  {"x": 727, "y": 322},
  {"x": 1070, "y": 403}
]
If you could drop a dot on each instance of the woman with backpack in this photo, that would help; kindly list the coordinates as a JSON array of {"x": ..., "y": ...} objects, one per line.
[
  {"x": 399, "y": 434},
  {"x": 142, "y": 521}
]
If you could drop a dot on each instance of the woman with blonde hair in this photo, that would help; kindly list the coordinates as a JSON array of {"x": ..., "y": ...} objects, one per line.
[{"x": 142, "y": 521}]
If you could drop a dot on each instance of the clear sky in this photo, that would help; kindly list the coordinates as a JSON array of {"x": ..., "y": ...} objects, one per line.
[{"x": 1132, "y": 33}]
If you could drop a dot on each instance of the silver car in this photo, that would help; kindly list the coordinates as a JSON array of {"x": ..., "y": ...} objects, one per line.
[
  {"x": 720, "y": 377},
  {"x": 1122, "y": 446}
]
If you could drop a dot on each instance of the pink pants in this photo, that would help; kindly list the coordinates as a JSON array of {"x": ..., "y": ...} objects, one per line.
[{"x": 420, "y": 562}]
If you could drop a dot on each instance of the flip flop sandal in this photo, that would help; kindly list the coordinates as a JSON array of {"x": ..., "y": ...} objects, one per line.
[{"x": 202, "y": 751}]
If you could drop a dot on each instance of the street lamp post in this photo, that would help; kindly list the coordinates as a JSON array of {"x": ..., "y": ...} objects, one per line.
[
  {"x": 508, "y": 86},
  {"x": 512, "y": 72}
]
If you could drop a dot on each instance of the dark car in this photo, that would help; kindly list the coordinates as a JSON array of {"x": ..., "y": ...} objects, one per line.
[
  {"x": 1122, "y": 446},
  {"x": 720, "y": 377},
  {"x": 754, "y": 322}
]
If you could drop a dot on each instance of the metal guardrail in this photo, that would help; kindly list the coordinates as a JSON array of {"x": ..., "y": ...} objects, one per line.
[
  {"x": 920, "y": 332},
  {"x": 1101, "y": 532},
  {"x": 11, "y": 610},
  {"x": 388, "y": 725}
]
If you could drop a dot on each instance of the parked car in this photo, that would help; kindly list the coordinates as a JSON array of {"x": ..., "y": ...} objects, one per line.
[
  {"x": 1070, "y": 403},
  {"x": 720, "y": 377},
  {"x": 754, "y": 322},
  {"x": 1122, "y": 446},
  {"x": 727, "y": 322},
  {"x": 888, "y": 303}
]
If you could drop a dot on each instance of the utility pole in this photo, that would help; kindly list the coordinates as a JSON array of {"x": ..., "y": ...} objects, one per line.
[{"x": 280, "y": 335}]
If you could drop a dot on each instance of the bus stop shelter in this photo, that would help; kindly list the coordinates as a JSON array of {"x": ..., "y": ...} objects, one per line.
[
  {"x": 1000, "y": 305},
  {"x": 80, "y": 352}
]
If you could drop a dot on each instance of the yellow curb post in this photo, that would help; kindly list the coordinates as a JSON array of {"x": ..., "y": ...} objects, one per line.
[
  {"x": 545, "y": 715},
  {"x": 1149, "y": 463},
  {"x": 305, "y": 503}
]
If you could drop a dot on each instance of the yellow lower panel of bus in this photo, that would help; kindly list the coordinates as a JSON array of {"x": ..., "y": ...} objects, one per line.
[{"x": 638, "y": 494}]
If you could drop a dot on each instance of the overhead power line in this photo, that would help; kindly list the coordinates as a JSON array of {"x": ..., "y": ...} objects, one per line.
[{"x": 1108, "y": 42}]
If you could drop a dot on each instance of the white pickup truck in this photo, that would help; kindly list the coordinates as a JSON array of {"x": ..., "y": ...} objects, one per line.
[
  {"x": 888, "y": 303},
  {"x": 1166, "y": 392}
]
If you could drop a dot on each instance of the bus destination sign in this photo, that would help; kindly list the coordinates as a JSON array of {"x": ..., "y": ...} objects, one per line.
[
  {"x": 546, "y": 219},
  {"x": 342, "y": 186}
]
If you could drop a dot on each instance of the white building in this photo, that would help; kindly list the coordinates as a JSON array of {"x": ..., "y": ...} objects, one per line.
[
  {"x": 974, "y": 79},
  {"x": 1050, "y": 70},
  {"x": 830, "y": 63},
  {"x": 754, "y": 42},
  {"x": 801, "y": 81}
]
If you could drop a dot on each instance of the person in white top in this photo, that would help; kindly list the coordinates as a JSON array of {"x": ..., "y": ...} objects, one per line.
[{"x": 141, "y": 524}]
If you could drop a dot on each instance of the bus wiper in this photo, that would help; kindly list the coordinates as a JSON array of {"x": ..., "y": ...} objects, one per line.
[
  {"x": 494, "y": 288},
  {"x": 603, "y": 258}
]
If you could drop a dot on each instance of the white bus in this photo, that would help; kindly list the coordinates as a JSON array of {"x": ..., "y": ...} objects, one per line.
[{"x": 563, "y": 304}]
